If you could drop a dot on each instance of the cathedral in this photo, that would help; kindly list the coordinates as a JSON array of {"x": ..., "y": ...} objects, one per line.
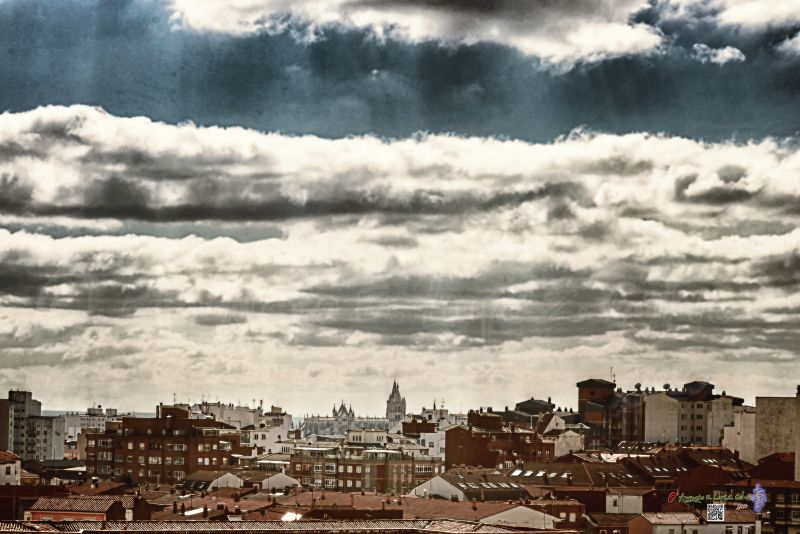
[
  {"x": 395, "y": 406},
  {"x": 343, "y": 418}
]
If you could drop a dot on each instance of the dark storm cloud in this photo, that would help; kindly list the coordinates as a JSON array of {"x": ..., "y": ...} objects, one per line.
[{"x": 124, "y": 57}]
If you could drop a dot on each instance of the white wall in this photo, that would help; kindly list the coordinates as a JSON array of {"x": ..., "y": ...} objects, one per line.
[
  {"x": 226, "y": 480},
  {"x": 10, "y": 473},
  {"x": 437, "y": 486},
  {"x": 742, "y": 435},
  {"x": 661, "y": 419},
  {"x": 625, "y": 504},
  {"x": 522, "y": 516},
  {"x": 279, "y": 481}
]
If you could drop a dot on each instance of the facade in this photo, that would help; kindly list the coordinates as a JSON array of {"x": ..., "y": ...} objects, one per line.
[
  {"x": 778, "y": 426},
  {"x": 693, "y": 415},
  {"x": 351, "y": 468},
  {"x": 44, "y": 439},
  {"x": 741, "y": 436},
  {"x": 264, "y": 439},
  {"x": 10, "y": 469},
  {"x": 76, "y": 509},
  {"x": 613, "y": 416},
  {"x": 161, "y": 449},
  {"x": 24, "y": 431},
  {"x": 94, "y": 417},
  {"x": 486, "y": 442},
  {"x": 781, "y": 513}
]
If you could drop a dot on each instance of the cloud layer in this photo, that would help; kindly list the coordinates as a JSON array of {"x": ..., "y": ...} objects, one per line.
[
  {"x": 624, "y": 66},
  {"x": 435, "y": 255}
]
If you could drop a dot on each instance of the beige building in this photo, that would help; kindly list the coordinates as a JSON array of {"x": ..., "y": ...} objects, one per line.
[
  {"x": 778, "y": 427},
  {"x": 693, "y": 414},
  {"x": 741, "y": 437}
]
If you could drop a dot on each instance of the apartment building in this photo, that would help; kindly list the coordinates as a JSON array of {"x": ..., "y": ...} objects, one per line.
[{"x": 161, "y": 449}]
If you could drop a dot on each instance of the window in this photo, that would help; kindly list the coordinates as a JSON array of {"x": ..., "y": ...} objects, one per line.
[
  {"x": 779, "y": 514},
  {"x": 179, "y": 461},
  {"x": 795, "y": 515},
  {"x": 349, "y": 468},
  {"x": 130, "y": 445},
  {"x": 672, "y": 531},
  {"x": 199, "y": 447},
  {"x": 8, "y": 470},
  {"x": 780, "y": 497},
  {"x": 341, "y": 469},
  {"x": 180, "y": 447},
  {"x": 614, "y": 502},
  {"x": 168, "y": 460},
  {"x": 729, "y": 529},
  {"x": 297, "y": 468},
  {"x": 739, "y": 529},
  {"x": 317, "y": 468},
  {"x": 141, "y": 445},
  {"x": 349, "y": 483},
  {"x": 129, "y": 459},
  {"x": 90, "y": 443},
  {"x": 795, "y": 498}
]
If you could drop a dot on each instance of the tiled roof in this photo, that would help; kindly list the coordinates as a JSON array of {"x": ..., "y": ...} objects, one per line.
[
  {"x": 572, "y": 474},
  {"x": 444, "y": 526},
  {"x": 8, "y": 456},
  {"x": 86, "y": 504},
  {"x": 734, "y": 516},
  {"x": 671, "y": 518},
  {"x": 484, "y": 484},
  {"x": 610, "y": 519},
  {"x": 88, "y": 488}
]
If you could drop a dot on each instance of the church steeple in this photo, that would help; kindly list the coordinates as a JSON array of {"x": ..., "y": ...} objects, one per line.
[{"x": 395, "y": 405}]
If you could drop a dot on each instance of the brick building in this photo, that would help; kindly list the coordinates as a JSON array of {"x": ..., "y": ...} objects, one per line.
[
  {"x": 76, "y": 509},
  {"x": 781, "y": 512},
  {"x": 487, "y": 442},
  {"x": 161, "y": 449},
  {"x": 350, "y": 468}
]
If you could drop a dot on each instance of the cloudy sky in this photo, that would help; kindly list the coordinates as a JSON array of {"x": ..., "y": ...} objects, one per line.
[{"x": 297, "y": 201}]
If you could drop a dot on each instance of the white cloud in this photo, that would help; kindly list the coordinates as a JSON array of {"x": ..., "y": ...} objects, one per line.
[
  {"x": 790, "y": 46},
  {"x": 705, "y": 54},
  {"x": 584, "y": 30},
  {"x": 746, "y": 14},
  {"x": 595, "y": 248}
]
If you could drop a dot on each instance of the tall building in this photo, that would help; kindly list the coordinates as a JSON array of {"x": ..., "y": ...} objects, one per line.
[
  {"x": 778, "y": 427},
  {"x": 693, "y": 415},
  {"x": 26, "y": 432},
  {"x": 395, "y": 406}
]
